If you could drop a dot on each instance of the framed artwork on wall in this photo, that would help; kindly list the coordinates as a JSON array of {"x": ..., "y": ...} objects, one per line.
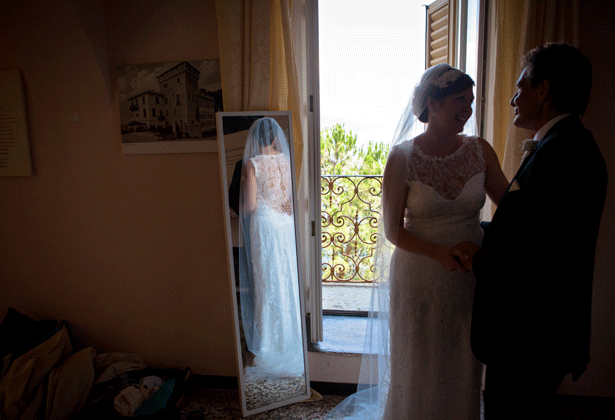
[
  {"x": 169, "y": 107},
  {"x": 15, "y": 155}
]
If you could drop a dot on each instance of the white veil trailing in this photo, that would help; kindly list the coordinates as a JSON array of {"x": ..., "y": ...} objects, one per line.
[
  {"x": 268, "y": 281},
  {"x": 370, "y": 400}
]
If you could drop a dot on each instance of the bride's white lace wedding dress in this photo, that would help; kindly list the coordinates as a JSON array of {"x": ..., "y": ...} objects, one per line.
[
  {"x": 277, "y": 312},
  {"x": 433, "y": 373}
]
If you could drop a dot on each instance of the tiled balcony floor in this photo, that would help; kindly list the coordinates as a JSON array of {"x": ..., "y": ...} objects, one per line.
[
  {"x": 346, "y": 297},
  {"x": 344, "y": 334}
]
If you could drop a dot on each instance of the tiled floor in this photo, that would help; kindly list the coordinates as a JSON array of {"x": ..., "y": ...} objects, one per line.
[
  {"x": 213, "y": 403},
  {"x": 223, "y": 404},
  {"x": 346, "y": 297},
  {"x": 342, "y": 334}
]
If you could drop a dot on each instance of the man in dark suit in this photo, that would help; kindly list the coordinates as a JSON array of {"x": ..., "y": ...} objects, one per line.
[{"x": 534, "y": 272}]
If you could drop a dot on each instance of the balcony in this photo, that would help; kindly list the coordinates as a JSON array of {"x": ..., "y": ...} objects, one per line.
[{"x": 350, "y": 206}]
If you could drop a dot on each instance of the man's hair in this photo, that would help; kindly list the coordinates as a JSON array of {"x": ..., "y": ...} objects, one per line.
[{"x": 568, "y": 72}]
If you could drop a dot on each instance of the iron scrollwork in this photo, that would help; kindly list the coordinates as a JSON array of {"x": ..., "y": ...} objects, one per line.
[{"x": 349, "y": 221}]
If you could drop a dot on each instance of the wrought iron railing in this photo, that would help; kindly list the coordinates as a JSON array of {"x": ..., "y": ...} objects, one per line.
[{"x": 350, "y": 206}]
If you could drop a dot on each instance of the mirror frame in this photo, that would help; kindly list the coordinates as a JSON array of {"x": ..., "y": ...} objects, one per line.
[{"x": 222, "y": 152}]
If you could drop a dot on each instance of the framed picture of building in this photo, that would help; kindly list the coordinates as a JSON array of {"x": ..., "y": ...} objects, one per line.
[{"x": 169, "y": 107}]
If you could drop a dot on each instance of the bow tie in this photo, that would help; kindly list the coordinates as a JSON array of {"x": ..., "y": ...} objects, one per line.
[{"x": 528, "y": 146}]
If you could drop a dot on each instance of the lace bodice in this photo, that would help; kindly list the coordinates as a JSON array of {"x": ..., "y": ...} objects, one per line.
[
  {"x": 448, "y": 175},
  {"x": 445, "y": 195},
  {"x": 273, "y": 181}
]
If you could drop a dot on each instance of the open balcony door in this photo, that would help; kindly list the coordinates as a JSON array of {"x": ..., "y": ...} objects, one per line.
[{"x": 454, "y": 34}]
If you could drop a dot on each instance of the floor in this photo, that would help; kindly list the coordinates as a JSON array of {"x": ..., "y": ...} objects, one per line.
[
  {"x": 215, "y": 403},
  {"x": 346, "y": 297},
  {"x": 223, "y": 404},
  {"x": 342, "y": 334}
]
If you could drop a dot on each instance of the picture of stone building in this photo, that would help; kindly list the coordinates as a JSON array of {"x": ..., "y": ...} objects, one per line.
[{"x": 170, "y": 101}]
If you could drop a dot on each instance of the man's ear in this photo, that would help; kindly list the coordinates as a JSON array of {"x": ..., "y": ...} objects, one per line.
[
  {"x": 544, "y": 89},
  {"x": 544, "y": 94}
]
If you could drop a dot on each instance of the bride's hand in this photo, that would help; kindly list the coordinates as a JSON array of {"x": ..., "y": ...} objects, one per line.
[
  {"x": 450, "y": 258},
  {"x": 470, "y": 249}
]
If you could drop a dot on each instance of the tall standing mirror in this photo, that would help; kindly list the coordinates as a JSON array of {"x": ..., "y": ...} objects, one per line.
[{"x": 258, "y": 180}]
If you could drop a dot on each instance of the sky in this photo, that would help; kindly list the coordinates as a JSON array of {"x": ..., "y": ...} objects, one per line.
[{"x": 370, "y": 60}]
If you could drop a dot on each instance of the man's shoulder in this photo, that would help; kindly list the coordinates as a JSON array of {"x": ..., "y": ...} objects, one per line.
[
  {"x": 568, "y": 126},
  {"x": 570, "y": 134},
  {"x": 573, "y": 143}
]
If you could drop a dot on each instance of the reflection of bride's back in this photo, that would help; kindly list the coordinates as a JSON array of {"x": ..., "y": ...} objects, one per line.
[
  {"x": 276, "y": 328},
  {"x": 273, "y": 181}
]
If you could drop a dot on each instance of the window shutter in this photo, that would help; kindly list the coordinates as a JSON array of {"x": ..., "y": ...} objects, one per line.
[{"x": 440, "y": 33}]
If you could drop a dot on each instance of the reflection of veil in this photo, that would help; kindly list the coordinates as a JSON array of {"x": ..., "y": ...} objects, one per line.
[
  {"x": 265, "y": 132},
  {"x": 373, "y": 387},
  {"x": 265, "y": 138}
]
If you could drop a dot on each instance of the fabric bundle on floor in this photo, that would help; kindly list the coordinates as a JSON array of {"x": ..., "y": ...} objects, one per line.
[{"x": 41, "y": 375}]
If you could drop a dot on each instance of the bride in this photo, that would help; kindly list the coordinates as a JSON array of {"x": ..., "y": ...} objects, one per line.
[
  {"x": 270, "y": 297},
  {"x": 418, "y": 363}
]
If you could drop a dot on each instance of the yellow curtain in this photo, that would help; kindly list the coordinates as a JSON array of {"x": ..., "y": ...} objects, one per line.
[
  {"x": 257, "y": 61},
  {"x": 263, "y": 63},
  {"x": 517, "y": 26}
]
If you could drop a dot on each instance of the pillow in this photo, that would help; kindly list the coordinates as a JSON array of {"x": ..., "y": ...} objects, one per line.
[{"x": 19, "y": 333}]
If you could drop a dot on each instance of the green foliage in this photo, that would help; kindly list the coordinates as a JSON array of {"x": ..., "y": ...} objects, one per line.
[
  {"x": 351, "y": 188},
  {"x": 337, "y": 149},
  {"x": 340, "y": 155},
  {"x": 373, "y": 158}
]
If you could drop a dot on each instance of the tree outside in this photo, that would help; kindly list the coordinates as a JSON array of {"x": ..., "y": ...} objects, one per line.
[{"x": 351, "y": 186}]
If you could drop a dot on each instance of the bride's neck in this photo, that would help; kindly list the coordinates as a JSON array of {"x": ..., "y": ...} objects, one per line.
[
  {"x": 438, "y": 144},
  {"x": 268, "y": 150}
]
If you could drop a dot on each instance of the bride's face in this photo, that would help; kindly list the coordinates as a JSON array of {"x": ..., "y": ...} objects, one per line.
[{"x": 454, "y": 110}]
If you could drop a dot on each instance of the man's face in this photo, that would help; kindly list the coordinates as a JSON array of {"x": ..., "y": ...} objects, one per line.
[{"x": 527, "y": 104}]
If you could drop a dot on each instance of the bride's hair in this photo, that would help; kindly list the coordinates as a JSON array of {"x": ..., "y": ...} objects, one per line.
[
  {"x": 266, "y": 129},
  {"x": 265, "y": 133},
  {"x": 438, "y": 82}
]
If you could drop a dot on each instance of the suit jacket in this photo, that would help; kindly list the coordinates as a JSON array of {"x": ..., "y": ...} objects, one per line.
[
  {"x": 534, "y": 272},
  {"x": 235, "y": 187}
]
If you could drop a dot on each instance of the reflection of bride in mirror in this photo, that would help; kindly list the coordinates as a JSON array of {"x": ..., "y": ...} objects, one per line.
[{"x": 268, "y": 277}]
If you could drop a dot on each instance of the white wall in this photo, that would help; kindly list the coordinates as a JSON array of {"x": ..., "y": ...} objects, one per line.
[{"x": 126, "y": 248}]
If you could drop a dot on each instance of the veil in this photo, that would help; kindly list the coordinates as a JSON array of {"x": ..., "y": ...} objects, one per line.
[
  {"x": 265, "y": 136},
  {"x": 265, "y": 132},
  {"x": 369, "y": 402}
]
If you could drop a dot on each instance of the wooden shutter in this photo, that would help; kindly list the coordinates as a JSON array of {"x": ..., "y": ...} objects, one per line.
[{"x": 440, "y": 33}]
